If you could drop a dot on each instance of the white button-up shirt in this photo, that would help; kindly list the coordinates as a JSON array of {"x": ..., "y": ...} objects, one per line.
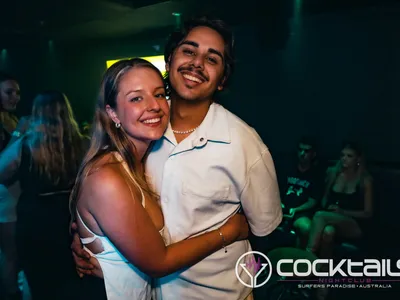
[{"x": 204, "y": 180}]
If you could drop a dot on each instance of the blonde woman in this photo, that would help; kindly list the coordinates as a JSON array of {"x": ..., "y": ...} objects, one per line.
[
  {"x": 45, "y": 160},
  {"x": 348, "y": 201}
]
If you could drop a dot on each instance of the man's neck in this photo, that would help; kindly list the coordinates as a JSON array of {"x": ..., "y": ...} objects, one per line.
[{"x": 186, "y": 114}]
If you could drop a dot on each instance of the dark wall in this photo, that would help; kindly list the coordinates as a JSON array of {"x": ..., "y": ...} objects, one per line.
[
  {"x": 336, "y": 77},
  {"x": 75, "y": 69}
]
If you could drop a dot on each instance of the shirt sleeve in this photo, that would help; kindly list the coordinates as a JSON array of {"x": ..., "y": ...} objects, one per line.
[
  {"x": 260, "y": 197},
  {"x": 281, "y": 172}
]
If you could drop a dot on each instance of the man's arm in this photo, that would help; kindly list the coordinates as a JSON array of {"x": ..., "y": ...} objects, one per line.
[
  {"x": 84, "y": 263},
  {"x": 311, "y": 202},
  {"x": 260, "y": 197},
  {"x": 315, "y": 193}
]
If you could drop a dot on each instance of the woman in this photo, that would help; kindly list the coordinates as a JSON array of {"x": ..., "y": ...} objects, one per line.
[
  {"x": 118, "y": 216},
  {"x": 45, "y": 160},
  {"x": 9, "y": 98},
  {"x": 349, "y": 201}
]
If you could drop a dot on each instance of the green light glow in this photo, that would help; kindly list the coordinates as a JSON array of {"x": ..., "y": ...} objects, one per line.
[{"x": 157, "y": 60}]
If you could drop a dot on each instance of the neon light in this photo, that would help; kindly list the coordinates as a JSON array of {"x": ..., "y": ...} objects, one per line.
[{"x": 158, "y": 61}]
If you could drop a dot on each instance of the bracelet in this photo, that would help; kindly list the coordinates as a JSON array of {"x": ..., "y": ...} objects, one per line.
[
  {"x": 223, "y": 240},
  {"x": 16, "y": 133}
]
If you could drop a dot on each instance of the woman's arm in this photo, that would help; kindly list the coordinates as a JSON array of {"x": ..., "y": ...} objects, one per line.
[
  {"x": 10, "y": 160},
  {"x": 125, "y": 222},
  {"x": 20, "y": 130}
]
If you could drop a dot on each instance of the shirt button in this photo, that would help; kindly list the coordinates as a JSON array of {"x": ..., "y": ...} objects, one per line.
[
  {"x": 201, "y": 139},
  {"x": 165, "y": 200}
]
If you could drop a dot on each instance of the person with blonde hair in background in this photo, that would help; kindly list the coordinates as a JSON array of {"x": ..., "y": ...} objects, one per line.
[
  {"x": 9, "y": 98},
  {"x": 348, "y": 200},
  {"x": 45, "y": 160}
]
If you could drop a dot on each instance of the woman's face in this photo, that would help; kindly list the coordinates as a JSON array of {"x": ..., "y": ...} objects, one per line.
[
  {"x": 9, "y": 95},
  {"x": 349, "y": 158},
  {"x": 142, "y": 108}
]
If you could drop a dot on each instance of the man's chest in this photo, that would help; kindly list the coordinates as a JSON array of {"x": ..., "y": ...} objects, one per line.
[
  {"x": 197, "y": 188},
  {"x": 298, "y": 186},
  {"x": 203, "y": 171}
]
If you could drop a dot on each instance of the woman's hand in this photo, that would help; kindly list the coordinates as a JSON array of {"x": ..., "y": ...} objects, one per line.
[
  {"x": 334, "y": 208},
  {"x": 236, "y": 229}
]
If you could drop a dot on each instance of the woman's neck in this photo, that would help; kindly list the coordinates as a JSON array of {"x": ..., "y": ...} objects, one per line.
[{"x": 350, "y": 173}]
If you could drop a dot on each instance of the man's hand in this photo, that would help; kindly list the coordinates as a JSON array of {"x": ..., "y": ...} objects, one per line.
[
  {"x": 82, "y": 258},
  {"x": 292, "y": 212}
]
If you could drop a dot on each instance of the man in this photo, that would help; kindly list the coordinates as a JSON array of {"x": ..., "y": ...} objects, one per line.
[
  {"x": 209, "y": 164},
  {"x": 301, "y": 186}
]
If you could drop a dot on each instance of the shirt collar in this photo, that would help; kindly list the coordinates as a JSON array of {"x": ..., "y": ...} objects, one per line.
[{"x": 215, "y": 127}]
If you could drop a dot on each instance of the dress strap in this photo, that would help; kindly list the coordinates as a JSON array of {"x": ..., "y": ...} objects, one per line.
[{"x": 90, "y": 239}]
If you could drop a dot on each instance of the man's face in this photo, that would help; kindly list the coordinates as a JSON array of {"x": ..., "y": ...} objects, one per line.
[
  {"x": 196, "y": 67},
  {"x": 305, "y": 153}
]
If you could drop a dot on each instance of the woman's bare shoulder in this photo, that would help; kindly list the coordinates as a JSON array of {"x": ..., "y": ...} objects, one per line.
[{"x": 105, "y": 172}]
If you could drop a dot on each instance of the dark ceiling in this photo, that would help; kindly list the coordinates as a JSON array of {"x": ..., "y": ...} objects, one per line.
[{"x": 74, "y": 20}]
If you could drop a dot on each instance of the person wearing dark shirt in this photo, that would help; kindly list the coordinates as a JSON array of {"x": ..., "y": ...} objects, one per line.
[
  {"x": 347, "y": 203},
  {"x": 9, "y": 98},
  {"x": 45, "y": 160},
  {"x": 301, "y": 188}
]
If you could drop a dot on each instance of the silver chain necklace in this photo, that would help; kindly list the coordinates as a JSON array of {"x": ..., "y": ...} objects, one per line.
[{"x": 185, "y": 131}]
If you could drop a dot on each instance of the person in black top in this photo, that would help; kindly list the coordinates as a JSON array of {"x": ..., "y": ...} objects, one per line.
[
  {"x": 348, "y": 202},
  {"x": 9, "y": 98},
  {"x": 46, "y": 160},
  {"x": 301, "y": 184}
]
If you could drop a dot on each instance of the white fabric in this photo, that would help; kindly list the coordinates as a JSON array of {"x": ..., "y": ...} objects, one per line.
[
  {"x": 122, "y": 280},
  {"x": 202, "y": 181}
]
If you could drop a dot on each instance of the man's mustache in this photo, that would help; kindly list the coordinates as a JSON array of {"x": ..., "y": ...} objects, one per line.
[{"x": 193, "y": 70}]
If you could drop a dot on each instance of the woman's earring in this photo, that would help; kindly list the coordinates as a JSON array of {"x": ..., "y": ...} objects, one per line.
[{"x": 117, "y": 125}]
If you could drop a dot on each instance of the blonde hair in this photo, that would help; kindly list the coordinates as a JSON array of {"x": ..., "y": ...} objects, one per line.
[
  {"x": 54, "y": 139},
  {"x": 106, "y": 138}
]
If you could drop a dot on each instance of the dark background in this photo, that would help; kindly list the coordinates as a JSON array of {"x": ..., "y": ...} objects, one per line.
[{"x": 326, "y": 68}]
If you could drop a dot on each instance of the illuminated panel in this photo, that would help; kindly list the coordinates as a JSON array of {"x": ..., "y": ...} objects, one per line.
[{"x": 158, "y": 61}]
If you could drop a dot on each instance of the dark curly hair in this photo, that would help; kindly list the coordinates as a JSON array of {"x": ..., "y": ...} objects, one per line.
[{"x": 219, "y": 26}]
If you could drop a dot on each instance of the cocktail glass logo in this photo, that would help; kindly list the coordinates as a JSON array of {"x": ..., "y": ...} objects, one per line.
[{"x": 253, "y": 268}]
